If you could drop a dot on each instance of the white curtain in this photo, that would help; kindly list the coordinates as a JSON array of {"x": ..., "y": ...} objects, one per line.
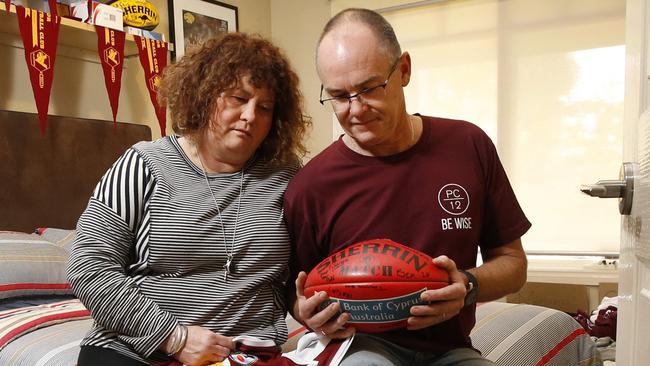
[{"x": 545, "y": 80}]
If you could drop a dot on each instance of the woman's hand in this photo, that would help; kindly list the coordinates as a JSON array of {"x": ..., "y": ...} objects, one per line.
[
  {"x": 444, "y": 303},
  {"x": 329, "y": 321},
  {"x": 204, "y": 347}
]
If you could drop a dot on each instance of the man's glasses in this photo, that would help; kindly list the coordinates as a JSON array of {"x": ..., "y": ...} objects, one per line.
[{"x": 369, "y": 95}]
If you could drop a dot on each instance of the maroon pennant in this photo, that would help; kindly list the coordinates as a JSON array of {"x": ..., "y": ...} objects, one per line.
[
  {"x": 40, "y": 33},
  {"x": 153, "y": 58},
  {"x": 110, "y": 45},
  {"x": 7, "y": 5},
  {"x": 53, "y": 10}
]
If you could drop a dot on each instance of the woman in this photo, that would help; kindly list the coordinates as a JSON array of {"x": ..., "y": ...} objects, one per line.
[{"x": 183, "y": 245}]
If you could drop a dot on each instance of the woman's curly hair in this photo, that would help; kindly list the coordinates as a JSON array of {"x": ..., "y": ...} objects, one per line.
[{"x": 191, "y": 86}]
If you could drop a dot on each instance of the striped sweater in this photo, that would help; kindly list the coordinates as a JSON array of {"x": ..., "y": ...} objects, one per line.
[{"x": 149, "y": 252}]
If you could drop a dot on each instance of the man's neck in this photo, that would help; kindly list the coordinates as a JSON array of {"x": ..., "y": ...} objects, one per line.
[{"x": 411, "y": 130}]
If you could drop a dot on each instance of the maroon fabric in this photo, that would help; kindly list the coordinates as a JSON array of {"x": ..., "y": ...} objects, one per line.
[
  {"x": 446, "y": 195},
  {"x": 40, "y": 34},
  {"x": 603, "y": 326},
  {"x": 272, "y": 356},
  {"x": 7, "y": 5},
  {"x": 245, "y": 355},
  {"x": 110, "y": 45}
]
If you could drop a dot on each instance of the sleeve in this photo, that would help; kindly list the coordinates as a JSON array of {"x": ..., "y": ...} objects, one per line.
[
  {"x": 302, "y": 236},
  {"x": 103, "y": 250},
  {"x": 504, "y": 219}
]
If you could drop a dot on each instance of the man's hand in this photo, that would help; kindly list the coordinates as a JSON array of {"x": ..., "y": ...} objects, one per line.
[
  {"x": 329, "y": 321},
  {"x": 204, "y": 347},
  {"x": 445, "y": 302}
]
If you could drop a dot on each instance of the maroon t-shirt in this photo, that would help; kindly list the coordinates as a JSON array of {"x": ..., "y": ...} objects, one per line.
[{"x": 448, "y": 194}]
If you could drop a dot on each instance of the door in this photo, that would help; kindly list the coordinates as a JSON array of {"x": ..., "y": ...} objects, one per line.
[{"x": 633, "y": 325}]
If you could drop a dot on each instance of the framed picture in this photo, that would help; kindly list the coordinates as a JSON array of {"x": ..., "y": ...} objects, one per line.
[{"x": 192, "y": 22}]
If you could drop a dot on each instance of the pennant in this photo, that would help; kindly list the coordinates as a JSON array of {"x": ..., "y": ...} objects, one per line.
[
  {"x": 53, "y": 10},
  {"x": 110, "y": 45},
  {"x": 153, "y": 58},
  {"x": 7, "y": 6},
  {"x": 40, "y": 33}
]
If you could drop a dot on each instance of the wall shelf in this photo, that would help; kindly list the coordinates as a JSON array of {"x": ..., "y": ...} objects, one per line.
[{"x": 72, "y": 33}]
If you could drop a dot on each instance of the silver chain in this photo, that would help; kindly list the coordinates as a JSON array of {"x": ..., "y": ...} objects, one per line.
[{"x": 229, "y": 253}]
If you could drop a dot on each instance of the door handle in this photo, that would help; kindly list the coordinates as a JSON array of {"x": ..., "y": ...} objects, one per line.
[
  {"x": 623, "y": 188},
  {"x": 604, "y": 189}
]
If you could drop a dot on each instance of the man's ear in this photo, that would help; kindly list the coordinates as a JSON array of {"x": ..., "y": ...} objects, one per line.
[{"x": 405, "y": 68}]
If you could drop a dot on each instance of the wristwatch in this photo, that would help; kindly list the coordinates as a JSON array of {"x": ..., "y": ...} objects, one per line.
[{"x": 472, "y": 288}]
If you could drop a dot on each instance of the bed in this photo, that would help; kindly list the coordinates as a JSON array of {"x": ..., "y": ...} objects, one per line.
[{"x": 47, "y": 180}]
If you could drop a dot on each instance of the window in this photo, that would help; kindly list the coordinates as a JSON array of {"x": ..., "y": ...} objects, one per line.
[{"x": 545, "y": 80}]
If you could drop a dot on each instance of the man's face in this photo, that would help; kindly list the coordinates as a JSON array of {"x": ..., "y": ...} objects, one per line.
[{"x": 350, "y": 61}]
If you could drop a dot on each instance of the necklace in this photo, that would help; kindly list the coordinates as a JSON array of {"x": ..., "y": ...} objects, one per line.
[{"x": 229, "y": 253}]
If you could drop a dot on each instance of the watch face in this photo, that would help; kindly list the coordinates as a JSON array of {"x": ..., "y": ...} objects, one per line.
[{"x": 470, "y": 297}]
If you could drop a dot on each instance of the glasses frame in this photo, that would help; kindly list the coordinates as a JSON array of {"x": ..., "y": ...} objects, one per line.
[{"x": 364, "y": 91}]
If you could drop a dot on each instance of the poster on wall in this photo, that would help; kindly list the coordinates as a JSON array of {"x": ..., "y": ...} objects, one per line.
[{"x": 192, "y": 22}]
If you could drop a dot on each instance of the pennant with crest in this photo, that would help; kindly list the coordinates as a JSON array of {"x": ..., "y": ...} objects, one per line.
[
  {"x": 153, "y": 58},
  {"x": 110, "y": 45},
  {"x": 40, "y": 33}
]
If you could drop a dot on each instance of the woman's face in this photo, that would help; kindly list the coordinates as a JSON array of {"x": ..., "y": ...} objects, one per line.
[{"x": 241, "y": 121}]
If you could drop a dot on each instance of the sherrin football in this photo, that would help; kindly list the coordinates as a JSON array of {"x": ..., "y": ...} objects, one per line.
[
  {"x": 138, "y": 13},
  {"x": 376, "y": 282}
]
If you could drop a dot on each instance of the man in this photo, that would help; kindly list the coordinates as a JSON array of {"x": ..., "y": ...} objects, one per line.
[{"x": 434, "y": 184}]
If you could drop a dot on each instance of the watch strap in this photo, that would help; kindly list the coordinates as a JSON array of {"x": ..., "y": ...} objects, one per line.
[{"x": 472, "y": 288}]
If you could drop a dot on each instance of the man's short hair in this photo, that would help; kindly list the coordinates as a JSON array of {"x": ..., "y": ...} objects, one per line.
[{"x": 374, "y": 21}]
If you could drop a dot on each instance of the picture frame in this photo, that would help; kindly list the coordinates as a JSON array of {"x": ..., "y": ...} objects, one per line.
[{"x": 192, "y": 22}]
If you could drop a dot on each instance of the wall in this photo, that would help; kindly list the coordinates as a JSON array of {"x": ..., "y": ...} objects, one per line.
[
  {"x": 78, "y": 86},
  {"x": 254, "y": 15},
  {"x": 309, "y": 17},
  {"x": 297, "y": 36},
  {"x": 338, "y": 5}
]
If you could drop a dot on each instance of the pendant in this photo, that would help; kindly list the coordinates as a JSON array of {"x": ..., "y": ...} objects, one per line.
[{"x": 226, "y": 267}]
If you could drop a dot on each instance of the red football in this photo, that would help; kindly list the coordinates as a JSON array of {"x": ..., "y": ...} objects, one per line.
[{"x": 376, "y": 282}]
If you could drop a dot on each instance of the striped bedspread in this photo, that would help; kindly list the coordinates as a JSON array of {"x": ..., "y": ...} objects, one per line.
[
  {"x": 46, "y": 334},
  {"x": 56, "y": 345},
  {"x": 508, "y": 334}
]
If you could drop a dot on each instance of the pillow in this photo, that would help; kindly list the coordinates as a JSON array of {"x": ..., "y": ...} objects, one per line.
[
  {"x": 14, "y": 323},
  {"x": 61, "y": 237},
  {"x": 548, "y": 336},
  {"x": 30, "y": 265}
]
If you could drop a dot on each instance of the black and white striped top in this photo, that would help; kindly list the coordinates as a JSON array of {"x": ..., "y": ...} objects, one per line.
[{"x": 149, "y": 252}]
